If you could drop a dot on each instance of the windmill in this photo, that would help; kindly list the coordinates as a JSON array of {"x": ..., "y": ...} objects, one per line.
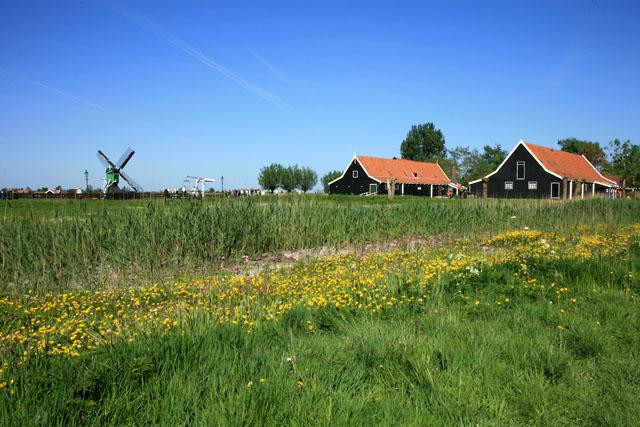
[
  {"x": 201, "y": 182},
  {"x": 114, "y": 172}
]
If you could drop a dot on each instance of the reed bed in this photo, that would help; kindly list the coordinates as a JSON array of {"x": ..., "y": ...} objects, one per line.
[{"x": 53, "y": 245}]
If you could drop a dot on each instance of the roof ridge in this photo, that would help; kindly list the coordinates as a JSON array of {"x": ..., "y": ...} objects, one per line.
[{"x": 552, "y": 149}]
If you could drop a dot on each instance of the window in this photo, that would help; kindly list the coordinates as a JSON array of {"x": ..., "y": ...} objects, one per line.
[
  {"x": 508, "y": 185},
  {"x": 555, "y": 190},
  {"x": 519, "y": 170},
  {"x": 415, "y": 174},
  {"x": 355, "y": 174},
  {"x": 533, "y": 185},
  {"x": 373, "y": 188}
]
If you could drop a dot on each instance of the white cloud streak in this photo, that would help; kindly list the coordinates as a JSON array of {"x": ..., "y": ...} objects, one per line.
[
  {"x": 270, "y": 67},
  {"x": 63, "y": 93},
  {"x": 154, "y": 28}
]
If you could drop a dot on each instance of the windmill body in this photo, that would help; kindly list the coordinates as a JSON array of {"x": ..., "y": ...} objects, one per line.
[{"x": 113, "y": 172}]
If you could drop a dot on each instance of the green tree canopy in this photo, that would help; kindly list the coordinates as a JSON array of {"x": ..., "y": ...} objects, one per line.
[
  {"x": 291, "y": 178},
  {"x": 423, "y": 142},
  {"x": 328, "y": 177},
  {"x": 591, "y": 150},
  {"x": 471, "y": 164},
  {"x": 308, "y": 179},
  {"x": 625, "y": 161},
  {"x": 271, "y": 176}
]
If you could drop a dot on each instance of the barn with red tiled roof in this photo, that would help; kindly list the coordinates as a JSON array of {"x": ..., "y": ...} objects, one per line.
[
  {"x": 372, "y": 175},
  {"x": 534, "y": 171}
]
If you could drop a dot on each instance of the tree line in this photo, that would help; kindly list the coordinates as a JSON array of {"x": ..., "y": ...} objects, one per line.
[{"x": 288, "y": 178}]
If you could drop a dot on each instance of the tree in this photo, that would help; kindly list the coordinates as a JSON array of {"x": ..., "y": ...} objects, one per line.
[
  {"x": 625, "y": 161},
  {"x": 472, "y": 164},
  {"x": 458, "y": 165},
  {"x": 291, "y": 178},
  {"x": 493, "y": 156},
  {"x": 271, "y": 176},
  {"x": 423, "y": 142},
  {"x": 328, "y": 177},
  {"x": 591, "y": 150},
  {"x": 308, "y": 179},
  {"x": 448, "y": 165}
]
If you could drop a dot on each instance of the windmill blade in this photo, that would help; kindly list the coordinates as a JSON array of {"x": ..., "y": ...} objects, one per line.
[
  {"x": 131, "y": 182},
  {"x": 208, "y": 180},
  {"x": 124, "y": 159},
  {"x": 105, "y": 160},
  {"x": 192, "y": 177}
]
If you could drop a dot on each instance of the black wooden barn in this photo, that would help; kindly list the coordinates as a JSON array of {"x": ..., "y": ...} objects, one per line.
[
  {"x": 373, "y": 175},
  {"x": 533, "y": 171}
]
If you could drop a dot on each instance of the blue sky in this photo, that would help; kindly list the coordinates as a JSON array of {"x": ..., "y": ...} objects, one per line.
[{"x": 213, "y": 88}]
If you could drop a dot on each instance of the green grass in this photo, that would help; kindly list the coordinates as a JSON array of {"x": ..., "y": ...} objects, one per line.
[
  {"x": 63, "y": 244},
  {"x": 531, "y": 360}
]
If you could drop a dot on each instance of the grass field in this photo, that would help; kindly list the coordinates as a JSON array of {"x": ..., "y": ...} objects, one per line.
[
  {"x": 525, "y": 320},
  {"x": 65, "y": 244}
]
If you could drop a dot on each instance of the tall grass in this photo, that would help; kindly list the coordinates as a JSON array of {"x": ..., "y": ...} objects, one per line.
[{"x": 46, "y": 244}]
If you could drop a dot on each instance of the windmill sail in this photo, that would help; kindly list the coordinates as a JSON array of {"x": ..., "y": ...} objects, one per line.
[
  {"x": 105, "y": 160},
  {"x": 124, "y": 159},
  {"x": 131, "y": 182}
]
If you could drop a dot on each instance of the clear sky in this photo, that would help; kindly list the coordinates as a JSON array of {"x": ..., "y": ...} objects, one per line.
[{"x": 222, "y": 88}]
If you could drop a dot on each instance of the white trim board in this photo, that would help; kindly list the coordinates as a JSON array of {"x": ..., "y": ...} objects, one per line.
[
  {"x": 598, "y": 172},
  {"x": 347, "y": 168}
]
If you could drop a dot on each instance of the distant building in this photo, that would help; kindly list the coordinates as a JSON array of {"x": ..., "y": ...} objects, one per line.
[
  {"x": 373, "y": 175},
  {"x": 533, "y": 171}
]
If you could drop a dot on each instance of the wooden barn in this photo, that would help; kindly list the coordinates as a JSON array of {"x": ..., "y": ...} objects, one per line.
[
  {"x": 374, "y": 175},
  {"x": 533, "y": 171}
]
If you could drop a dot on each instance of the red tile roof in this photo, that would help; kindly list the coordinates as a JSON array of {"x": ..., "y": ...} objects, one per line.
[
  {"x": 404, "y": 171},
  {"x": 571, "y": 166},
  {"x": 615, "y": 178}
]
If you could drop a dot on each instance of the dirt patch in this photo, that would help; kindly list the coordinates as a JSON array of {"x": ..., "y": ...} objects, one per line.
[{"x": 285, "y": 259}]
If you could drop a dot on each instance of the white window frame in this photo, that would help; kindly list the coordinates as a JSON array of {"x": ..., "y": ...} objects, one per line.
[
  {"x": 415, "y": 174},
  {"x": 373, "y": 188},
  {"x": 518, "y": 163},
  {"x": 552, "y": 184},
  {"x": 535, "y": 185},
  {"x": 508, "y": 183},
  {"x": 354, "y": 174}
]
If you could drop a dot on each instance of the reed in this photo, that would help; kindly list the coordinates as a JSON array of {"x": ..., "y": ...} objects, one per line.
[{"x": 53, "y": 245}]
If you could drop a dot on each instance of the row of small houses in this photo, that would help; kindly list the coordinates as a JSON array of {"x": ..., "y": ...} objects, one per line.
[
  {"x": 15, "y": 193},
  {"x": 528, "y": 171}
]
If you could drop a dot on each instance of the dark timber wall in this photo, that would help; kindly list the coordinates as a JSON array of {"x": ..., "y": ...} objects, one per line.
[
  {"x": 533, "y": 172},
  {"x": 349, "y": 185}
]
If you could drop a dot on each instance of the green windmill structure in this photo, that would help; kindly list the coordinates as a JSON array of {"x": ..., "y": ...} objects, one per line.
[{"x": 114, "y": 172}]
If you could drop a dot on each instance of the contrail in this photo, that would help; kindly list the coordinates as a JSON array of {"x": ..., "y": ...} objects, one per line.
[
  {"x": 156, "y": 29},
  {"x": 63, "y": 93},
  {"x": 270, "y": 67}
]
